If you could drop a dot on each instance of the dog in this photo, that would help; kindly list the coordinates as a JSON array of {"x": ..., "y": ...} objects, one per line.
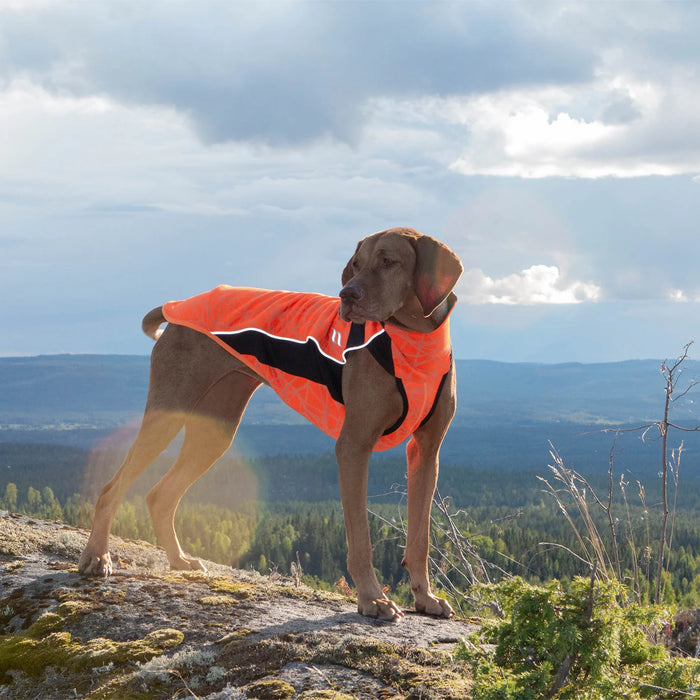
[{"x": 382, "y": 348}]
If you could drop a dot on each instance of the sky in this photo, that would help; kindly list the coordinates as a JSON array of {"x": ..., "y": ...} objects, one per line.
[{"x": 152, "y": 150}]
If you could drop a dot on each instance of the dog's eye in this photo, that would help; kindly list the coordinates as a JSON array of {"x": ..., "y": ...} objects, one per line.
[{"x": 388, "y": 262}]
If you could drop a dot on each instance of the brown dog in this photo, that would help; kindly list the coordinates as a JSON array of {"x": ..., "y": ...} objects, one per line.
[{"x": 398, "y": 277}]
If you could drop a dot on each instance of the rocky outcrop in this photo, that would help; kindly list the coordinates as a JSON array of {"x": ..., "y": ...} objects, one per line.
[{"x": 147, "y": 632}]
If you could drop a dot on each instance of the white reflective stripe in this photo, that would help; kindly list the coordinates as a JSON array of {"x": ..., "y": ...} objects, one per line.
[{"x": 302, "y": 342}]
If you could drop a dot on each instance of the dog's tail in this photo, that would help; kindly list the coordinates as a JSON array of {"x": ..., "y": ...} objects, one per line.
[{"x": 152, "y": 322}]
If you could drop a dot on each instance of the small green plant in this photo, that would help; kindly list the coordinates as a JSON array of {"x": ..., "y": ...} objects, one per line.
[{"x": 573, "y": 643}]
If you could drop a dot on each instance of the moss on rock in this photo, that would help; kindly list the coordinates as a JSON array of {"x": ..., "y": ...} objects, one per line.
[
  {"x": 237, "y": 589},
  {"x": 145, "y": 633},
  {"x": 23, "y": 653},
  {"x": 32, "y": 655},
  {"x": 396, "y": 666},
  {"x": 270, "y": 690},
  {"x": 218, "y": 600}
]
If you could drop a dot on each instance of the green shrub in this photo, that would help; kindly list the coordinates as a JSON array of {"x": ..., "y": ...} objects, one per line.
[{"x": 573, "y": 643}]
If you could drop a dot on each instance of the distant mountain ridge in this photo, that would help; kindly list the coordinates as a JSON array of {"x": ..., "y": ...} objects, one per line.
[
  {"x": 101, "y": 389},
  {"x": 504, "y": 409}
]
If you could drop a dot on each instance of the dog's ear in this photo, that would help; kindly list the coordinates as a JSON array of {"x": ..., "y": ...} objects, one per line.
[
  {"x": 347, "y": 272},
  {"x": 437, "y": 272}
]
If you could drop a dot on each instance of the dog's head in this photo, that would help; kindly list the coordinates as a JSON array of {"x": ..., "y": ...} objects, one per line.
[{"x": 395, "y": 270}]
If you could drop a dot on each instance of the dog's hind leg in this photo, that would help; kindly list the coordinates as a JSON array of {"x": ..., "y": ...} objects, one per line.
[
  {"x": 157, "y": 431},
  {"x": 209, "y": 431}
]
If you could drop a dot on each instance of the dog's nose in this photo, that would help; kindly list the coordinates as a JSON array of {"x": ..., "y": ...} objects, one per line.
[{"x": 351, "y": 293}]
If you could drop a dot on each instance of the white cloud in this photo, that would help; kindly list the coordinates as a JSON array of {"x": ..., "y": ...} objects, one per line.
[
  {"x": 617, "y": 125},
  {"x": 523, "y": 135},
  {"x": 560, "y": 94},
  {"x": 282, "y": 73},
  {"x": 78, "y": 150},
  {"x": 620, "y": 127},
  {"x": 27, "y": 5},
  {"x": 682, "y": 296},
  {"x": 69, "y": 152},
  {"x": 677, "y": 295},
  {"x": 539, "y": 284},
  {"x": 200, "y": 134}
]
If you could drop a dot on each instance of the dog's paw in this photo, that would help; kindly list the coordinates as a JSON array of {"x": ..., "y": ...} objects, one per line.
[
  {"x": 436, "y": 607},
  {"x": 187, "y": 564},
  {"x": 95, "y": 564},
  {"x": 380, "y": 608}
]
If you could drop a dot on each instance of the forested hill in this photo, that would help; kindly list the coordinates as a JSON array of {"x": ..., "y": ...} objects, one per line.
[
  {"x": 100, "y": 389},
  {"x": 507, "y": 412}
]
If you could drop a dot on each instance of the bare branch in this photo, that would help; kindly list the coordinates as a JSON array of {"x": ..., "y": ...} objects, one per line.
[
  {"x": 685, "y": 430},
  {"x": 566, "y": 549}
]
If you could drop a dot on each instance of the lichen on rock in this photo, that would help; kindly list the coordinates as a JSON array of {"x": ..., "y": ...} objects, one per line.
[{"x": 147, "y": 632}]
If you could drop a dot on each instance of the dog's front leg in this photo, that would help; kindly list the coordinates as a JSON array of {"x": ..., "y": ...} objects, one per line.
[
  {"x": 371, "y": 404},
  {"x": 353, "y": 464},
  {"x": 422, "y": 479},
  {"x": 422, "y": 455}
]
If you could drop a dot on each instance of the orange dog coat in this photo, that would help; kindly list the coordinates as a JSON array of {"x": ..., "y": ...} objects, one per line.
[{"x": 298, "y": 343}]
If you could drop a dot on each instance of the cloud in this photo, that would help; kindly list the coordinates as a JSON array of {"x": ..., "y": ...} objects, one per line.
[
  {"x": 151, "y": 150},
  {"x": 283, "y": 72},
  {"x": 677, "y": 295},
  {"x": 639, "y": 129},
  {"x": 539, "y": 284},
  {"x": 636, "y": 116},
  {"x": 683, "y": 296},
  {"x": 93, "y": 153},
  {"x": 517, "y": 90},
  {"x": 66, "y": 151}
]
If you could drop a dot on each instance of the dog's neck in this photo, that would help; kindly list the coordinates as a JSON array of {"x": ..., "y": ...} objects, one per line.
[{"x": 410, "y": 316}]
